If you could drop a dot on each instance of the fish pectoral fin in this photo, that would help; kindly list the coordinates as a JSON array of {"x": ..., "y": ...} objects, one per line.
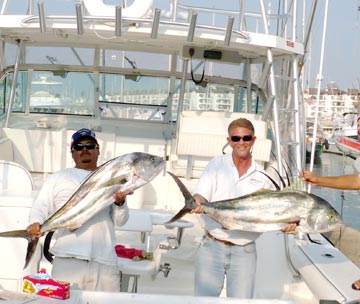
[{"x": 119, "y": 180}]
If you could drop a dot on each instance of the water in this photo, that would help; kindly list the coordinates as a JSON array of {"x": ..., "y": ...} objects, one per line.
[{"x": 346, "y": 202}]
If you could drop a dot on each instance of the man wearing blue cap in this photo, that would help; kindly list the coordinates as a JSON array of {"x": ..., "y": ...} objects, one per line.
[{"x": 84, "y": 257}]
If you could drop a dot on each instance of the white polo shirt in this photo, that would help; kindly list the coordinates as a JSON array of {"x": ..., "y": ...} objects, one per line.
[{"x": 219, "y": 181}]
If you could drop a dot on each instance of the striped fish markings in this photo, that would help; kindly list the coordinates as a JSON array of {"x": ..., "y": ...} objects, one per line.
[
  {"x": 267, "y": 210},
  {"x": 124, "y": 173}
]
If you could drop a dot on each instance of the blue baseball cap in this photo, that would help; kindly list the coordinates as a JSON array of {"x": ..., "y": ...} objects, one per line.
[{"x": 81, "y": 134}]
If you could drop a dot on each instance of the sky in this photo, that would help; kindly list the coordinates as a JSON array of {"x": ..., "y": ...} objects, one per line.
[{"x": 342, "y": 45}]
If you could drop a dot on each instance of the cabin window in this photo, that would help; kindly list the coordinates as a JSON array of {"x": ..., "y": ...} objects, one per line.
[
  {"x": 70, "y": 56},
  {"x": 136, "y": 60},
  {"x": 215, "y": 97},
  {"x": 134, "y": 97},
  {"x": 62, "y": 93},
  {"x": 129, "y": 96},
  {"x": 256, "y": 106},
  {"x": 20, "y": 92}
]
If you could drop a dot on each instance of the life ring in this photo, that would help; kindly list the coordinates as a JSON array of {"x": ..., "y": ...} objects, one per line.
[{"x": 138, "y": 9}]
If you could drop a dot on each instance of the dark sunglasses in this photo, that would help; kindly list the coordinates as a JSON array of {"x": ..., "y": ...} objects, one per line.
[
  {"x": 88, "y": 146},
  {"x": 238, "y": 138}
]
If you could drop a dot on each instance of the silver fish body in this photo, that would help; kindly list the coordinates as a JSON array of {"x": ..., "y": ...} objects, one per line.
[
  {"x": 273, "y": 210},
  {"x": 124, "y": 173},
  {"x": 268, "y": 210}
]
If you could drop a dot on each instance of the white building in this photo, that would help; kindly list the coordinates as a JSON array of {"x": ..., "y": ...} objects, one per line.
[{"x": 334, "y": 103}]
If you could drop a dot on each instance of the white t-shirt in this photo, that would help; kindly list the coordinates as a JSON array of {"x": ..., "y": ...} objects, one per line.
[
  {"x": 219, "y": 181},
  {"x": 95, "y": 240}
]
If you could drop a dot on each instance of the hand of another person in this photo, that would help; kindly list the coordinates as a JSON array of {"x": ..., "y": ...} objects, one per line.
[
  {"x": 309, "y": 177},
  {"x": 34, "y": 229}
]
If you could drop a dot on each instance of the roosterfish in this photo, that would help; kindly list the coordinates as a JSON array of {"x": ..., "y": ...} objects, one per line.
[
  {"x": 124, "y": 173},
  {"x": 267, "y": 210}
]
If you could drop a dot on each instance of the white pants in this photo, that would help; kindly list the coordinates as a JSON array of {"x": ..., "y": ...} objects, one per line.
[
  {"x": 86, "y": 275},
  {"x": 215, "y": 260}
]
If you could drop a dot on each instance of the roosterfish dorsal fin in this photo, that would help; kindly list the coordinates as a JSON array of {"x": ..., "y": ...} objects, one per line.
[{"x": 298, "y": 184}]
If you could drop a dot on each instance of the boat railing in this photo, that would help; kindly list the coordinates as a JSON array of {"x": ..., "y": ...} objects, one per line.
[
  {"x": 247, "y": 17},
  {"x": 241, "y": 14},
  {"x": 129, "y": 21}
]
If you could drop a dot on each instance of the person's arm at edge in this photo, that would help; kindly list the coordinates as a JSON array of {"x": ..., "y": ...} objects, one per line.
[{"x": 345, "y": 182}]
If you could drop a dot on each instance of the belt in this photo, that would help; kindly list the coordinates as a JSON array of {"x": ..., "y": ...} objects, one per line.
[{"x": 209, "y": 235}]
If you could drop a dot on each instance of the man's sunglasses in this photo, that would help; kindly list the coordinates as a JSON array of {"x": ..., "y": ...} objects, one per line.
[
  {"x": 88, "y": 146},
  {"x": 238, "y": 138}
]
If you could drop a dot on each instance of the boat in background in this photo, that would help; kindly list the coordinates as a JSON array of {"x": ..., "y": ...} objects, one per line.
[
  {"x": 347, "y": 125},
  {"x": 165, "y": 78},
  {"x": 336, "y": 110},
  {"x": 346, "y": 135},
  {"x": 348, "y": 145}
]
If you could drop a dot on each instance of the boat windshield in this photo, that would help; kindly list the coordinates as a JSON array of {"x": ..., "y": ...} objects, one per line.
[{"x": 113, "y": 96}]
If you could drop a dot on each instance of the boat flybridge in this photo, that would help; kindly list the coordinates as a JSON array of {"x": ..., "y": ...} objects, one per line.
[{"x": 164, "y": 77}]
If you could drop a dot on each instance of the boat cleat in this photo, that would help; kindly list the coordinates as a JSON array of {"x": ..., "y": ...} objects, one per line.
[{"x": 165, "y": 268}]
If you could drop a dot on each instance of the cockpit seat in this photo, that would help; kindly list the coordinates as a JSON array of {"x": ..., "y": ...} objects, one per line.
[{"x": 14, "y": 177}]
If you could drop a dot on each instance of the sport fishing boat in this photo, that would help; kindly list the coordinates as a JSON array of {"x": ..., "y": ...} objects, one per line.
[
  {"x": 164, "y": 77},
  {"x": 346, "y": 135},
  {"x": 348, "y": 145}
]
